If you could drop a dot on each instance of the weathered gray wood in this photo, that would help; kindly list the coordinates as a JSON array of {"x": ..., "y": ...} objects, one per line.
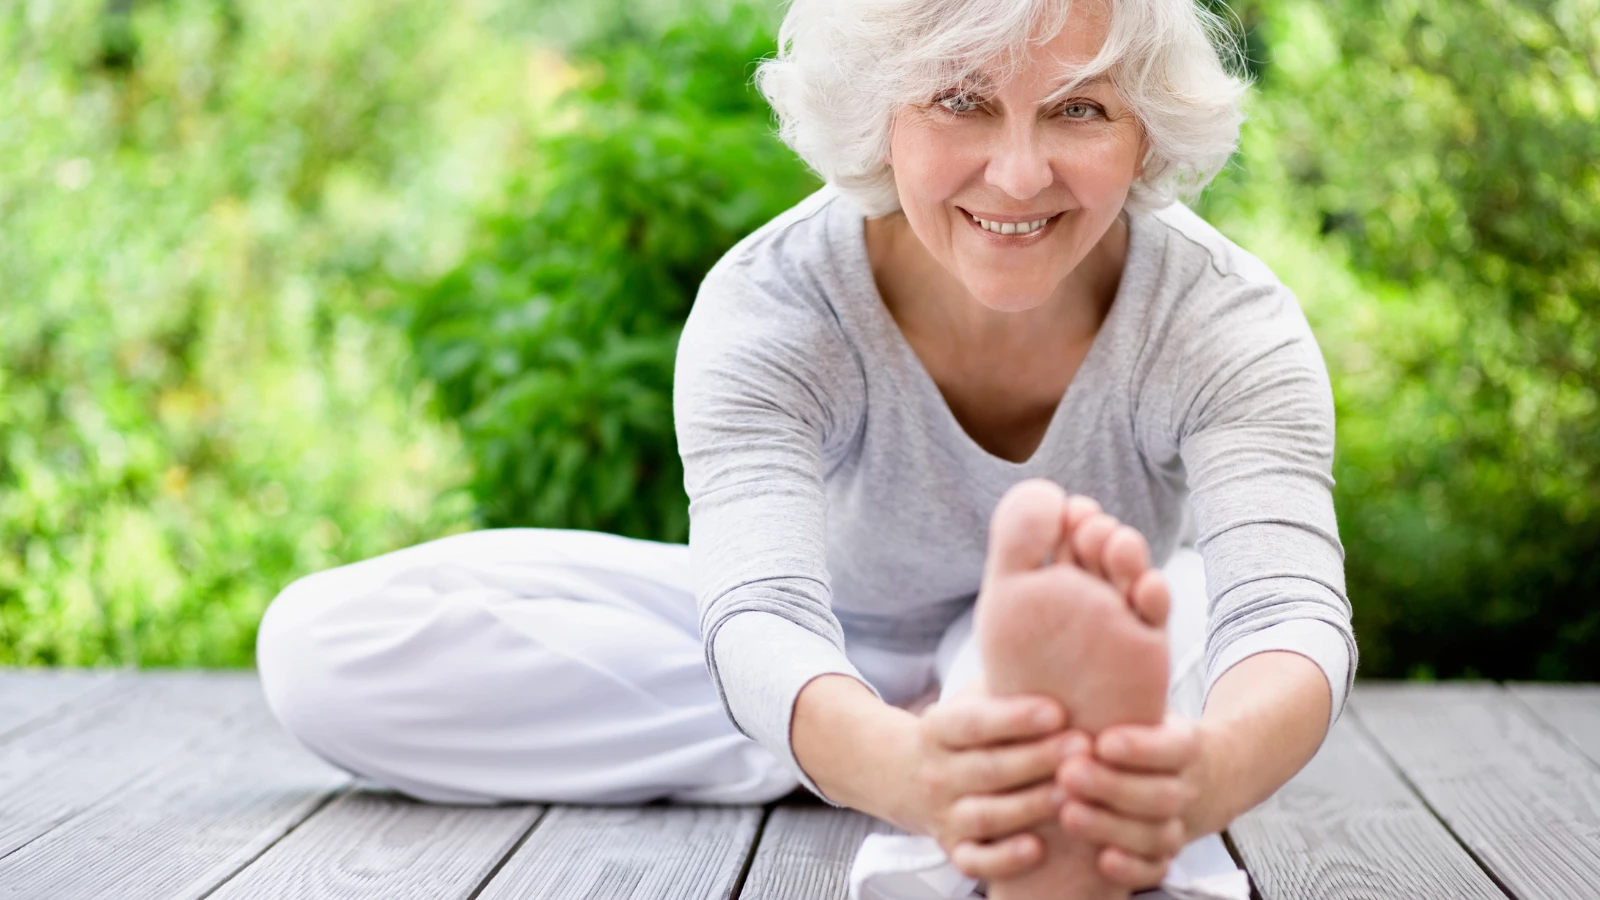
[
  {"x": 54, "y": 771},
  {"x": 1572, "y": 710},
  {"x": 28, "y": 696},
  {"x": 185, "y": 826},
  {"x": 805, "y": 853},
  {"x": 1347, "y": 827},
  {"x": 1524, "y": 801},
  {"x": 630, "y": 853},
  {"x": 384, "y": 846}
]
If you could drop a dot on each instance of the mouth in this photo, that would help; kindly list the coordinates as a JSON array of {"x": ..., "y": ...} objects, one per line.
[{"x": 1012, "y": 233}]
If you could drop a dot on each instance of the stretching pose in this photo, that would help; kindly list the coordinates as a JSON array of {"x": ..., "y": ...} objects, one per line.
[{"x": 894, "y": 404}]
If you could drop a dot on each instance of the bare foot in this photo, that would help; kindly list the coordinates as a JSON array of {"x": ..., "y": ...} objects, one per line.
[{"x": 1071, "y": 608}]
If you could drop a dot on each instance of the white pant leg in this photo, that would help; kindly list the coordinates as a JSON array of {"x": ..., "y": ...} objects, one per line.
[
  {"x": 958, "y": 662},
  {"x": 511, "y": 665}
]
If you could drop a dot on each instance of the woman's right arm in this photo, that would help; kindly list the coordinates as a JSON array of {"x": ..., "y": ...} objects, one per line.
[{"x": 765, "y": 385}]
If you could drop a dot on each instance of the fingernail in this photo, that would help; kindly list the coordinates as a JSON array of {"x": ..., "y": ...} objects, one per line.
[
  {"x": 1075, "y": 745},
  {"x": 1116, "y": 745},
  {"x": 1058, "y": 795},
  {"x": 1045, "y": 717}
]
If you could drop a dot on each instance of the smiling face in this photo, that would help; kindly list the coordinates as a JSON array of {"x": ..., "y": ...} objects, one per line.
[{"x": 1010, "y": 186}]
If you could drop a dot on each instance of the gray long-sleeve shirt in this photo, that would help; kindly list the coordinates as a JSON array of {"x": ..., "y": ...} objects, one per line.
[{"x": 834, "y": 497}]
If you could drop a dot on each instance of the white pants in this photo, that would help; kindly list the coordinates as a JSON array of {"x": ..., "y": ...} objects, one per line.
[{"x": 549, "y": 665}]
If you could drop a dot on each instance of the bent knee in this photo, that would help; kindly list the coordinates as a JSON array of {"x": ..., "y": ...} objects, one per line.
[{"x": 288, "y": 661}]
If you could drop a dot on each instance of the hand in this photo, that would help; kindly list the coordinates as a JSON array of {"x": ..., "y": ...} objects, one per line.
[
  {"x": 1134, "y": 795},
  {"x": 982, "y": 778}
]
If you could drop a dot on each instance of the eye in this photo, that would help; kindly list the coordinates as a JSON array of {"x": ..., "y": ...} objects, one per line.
[
  {"x": 1079, "y": 110},
  {"x": 957, "y": 100}
]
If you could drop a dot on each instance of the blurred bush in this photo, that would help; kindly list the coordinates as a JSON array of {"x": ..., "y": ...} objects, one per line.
[
  {"x": 200, "y": 205},
  {"x": 552, "y": 343},
  {"x": 247, "y": 248},
  {"x": 1447, "y": 156}
]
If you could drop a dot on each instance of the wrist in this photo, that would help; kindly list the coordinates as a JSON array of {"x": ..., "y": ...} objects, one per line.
[
  {"x": 1210, "y": 811},
  {"x": 853, "y": 745}
]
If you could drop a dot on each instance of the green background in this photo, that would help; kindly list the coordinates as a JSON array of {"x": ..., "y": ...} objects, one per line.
[{"x": 286, "y": 283}]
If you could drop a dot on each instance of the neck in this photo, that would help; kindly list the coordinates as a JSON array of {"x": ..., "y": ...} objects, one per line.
[{"x": 924, "y": 297}]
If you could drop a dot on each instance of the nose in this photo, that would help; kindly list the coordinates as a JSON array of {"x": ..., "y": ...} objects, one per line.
[{"x": 1017, "y": 164}]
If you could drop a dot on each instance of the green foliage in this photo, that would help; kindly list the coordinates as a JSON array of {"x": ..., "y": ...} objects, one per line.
[
  {"x": 552, "y": 343},
  {"x": 200, "y": 203},
  {"x": 1448, "y": 156},
  {"x": 236, "y": 236}
]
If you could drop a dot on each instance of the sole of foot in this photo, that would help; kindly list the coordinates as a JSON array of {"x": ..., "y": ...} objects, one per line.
[{"x": 1071, "y": 608}]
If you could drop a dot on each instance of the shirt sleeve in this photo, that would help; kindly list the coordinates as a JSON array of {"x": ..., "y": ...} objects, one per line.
[
  {"x": 764, "y": 384},
  {"x": 1254, "y": 423}
]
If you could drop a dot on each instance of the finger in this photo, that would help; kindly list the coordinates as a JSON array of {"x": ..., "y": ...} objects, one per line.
[
  {"x": 1136, "y": 836},
  {"x": 1089, "y": 542},
  {"x": 986, "y": 817},
  {"x": 1168, "y": 747},
  {"x": 1127, "y": 556},
  {"x": 1151, "y": 599},
  {"x": 1152, "y": 797},
  {"x": 1007, "y": 767},
  {"x": 1131, "y": 871},
  {"x": 966, "y": 722},
  {"x": 1025, "y": 527},
  {"x": 1000, "y": 859}
]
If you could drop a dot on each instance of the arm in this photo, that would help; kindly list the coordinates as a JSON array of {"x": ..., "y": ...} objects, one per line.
[
  {"x": 764, "y": 385},
  {"x": 853, "y": 744},
  {"x": 1263, "y": 722}
]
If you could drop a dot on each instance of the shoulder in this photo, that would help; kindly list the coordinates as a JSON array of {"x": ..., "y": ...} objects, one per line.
[
  {"x": 790, "y": 261},
  {"x": 1215, "y": 299},
  {"x": 765, "y": 323},
  {"x": 1229, "y": 336}
]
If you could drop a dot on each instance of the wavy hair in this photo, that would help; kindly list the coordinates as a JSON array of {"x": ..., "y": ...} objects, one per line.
[{"x": 844, "y": 67}]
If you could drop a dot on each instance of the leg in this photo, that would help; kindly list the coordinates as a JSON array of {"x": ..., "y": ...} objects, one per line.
[
  {"x": 1091, "y": 635},
  {"x": 514, "y": 665}
]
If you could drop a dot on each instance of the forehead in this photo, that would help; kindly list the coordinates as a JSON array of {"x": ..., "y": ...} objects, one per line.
[{"x": 1047, "y": 60}]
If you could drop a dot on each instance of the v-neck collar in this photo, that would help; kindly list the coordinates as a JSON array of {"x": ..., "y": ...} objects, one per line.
[{"x": 1090, "y": 372}]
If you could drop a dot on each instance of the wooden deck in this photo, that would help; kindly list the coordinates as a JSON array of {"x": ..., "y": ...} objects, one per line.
[{"x": 170, "y": 785}]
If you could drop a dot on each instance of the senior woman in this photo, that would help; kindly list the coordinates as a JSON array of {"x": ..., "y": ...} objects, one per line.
[{"x": 883, "y": 399}]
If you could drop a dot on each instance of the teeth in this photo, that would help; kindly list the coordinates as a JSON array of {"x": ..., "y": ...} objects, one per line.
[{"x": 1010, "y": 227}]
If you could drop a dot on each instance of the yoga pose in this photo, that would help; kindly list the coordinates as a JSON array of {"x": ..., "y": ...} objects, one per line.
[{"x": 1009, "y": 490}]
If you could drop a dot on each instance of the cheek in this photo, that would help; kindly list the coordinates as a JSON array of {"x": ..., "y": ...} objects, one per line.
[{"x": 1099, "y": 167}]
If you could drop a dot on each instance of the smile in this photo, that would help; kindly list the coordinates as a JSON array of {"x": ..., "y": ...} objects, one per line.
[{"x": 1034, "y": 229}]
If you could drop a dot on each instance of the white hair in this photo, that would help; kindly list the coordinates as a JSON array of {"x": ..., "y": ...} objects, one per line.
[{"x": 844, "y": 67}]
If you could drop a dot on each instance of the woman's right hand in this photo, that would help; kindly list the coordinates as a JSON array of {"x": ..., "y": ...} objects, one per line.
[{"x": 984, "y": 777}]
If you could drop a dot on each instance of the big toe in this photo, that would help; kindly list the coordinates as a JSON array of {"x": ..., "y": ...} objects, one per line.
[{"x": 1026, "y": 527}]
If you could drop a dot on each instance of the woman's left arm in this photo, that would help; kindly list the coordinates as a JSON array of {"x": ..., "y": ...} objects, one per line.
[{"x": 1238, "y": 402}]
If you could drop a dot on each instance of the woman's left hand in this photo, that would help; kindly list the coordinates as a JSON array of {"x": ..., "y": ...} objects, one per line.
[{"x": 1135, "y": 796}]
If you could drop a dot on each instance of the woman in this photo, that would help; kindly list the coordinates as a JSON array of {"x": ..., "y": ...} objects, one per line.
[{"x": 882, "y": 399}]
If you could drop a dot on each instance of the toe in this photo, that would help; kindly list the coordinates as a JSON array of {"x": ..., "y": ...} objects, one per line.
[
  {"x": 1027, "y": 526},
  {"x": 1151, "y": 599},
  {"x": 1089, "y": 542},
  {"x": 1127, "y": 556}
]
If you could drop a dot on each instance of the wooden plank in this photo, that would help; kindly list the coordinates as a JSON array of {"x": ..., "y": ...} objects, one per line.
[
  {"x": 1571, "y": 710},
  {"x": 1525, "y": 802},
  {"x": 28, "y": 696},
  {"x": 386, "y": 846},
  {"x": 187, "y": 825},
  {"x": 71, "y": 762},
  {"x": 631, "y": 853},
  {"x": 1347, "y": 827},
  {"x": 806, "y": 852}
]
